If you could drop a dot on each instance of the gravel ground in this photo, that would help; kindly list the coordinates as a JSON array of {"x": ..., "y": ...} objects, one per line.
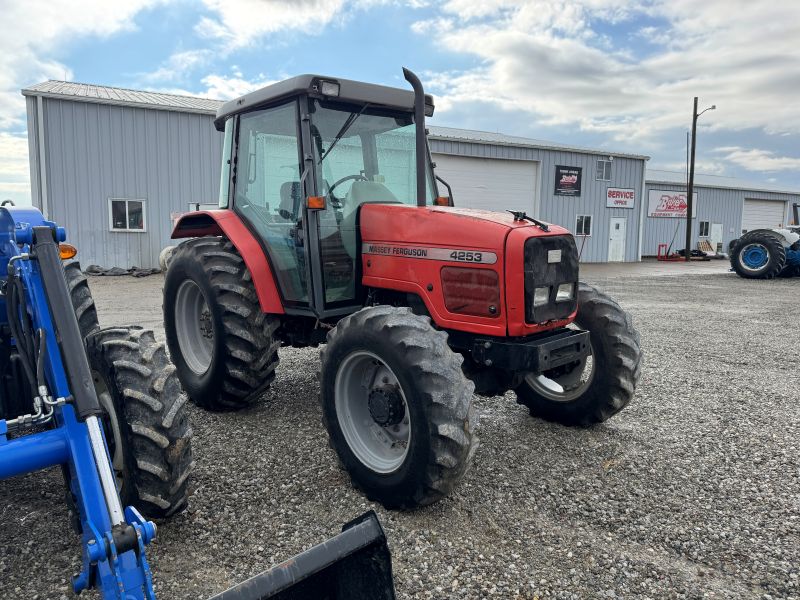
[{"x": 691, "y": 492}]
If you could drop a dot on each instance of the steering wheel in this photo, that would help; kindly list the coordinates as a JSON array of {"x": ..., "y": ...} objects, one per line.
[{"x": 338, "y": 201}]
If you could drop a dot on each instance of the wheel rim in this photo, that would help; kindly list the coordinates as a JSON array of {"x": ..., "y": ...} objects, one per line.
[
  {"x": 565, "y": 384},
  {"x": 112, "y": 429},
  {"x": 753, "y": 256},
  {"x": 194, "y": 327},
  {"x": 360, "y": 376}
]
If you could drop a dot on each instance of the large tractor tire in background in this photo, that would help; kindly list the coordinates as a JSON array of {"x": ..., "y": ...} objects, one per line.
[
  {"x": 759, "y": 254},
  {"x": 397, "y": 406},
  {"x": 81, "y": 296},
  {"x": 603, "y": 383},
  {"x": 165, "y": 257},
  {"x": 147, "y": 428},
  {"x": 221, "y": 343}
]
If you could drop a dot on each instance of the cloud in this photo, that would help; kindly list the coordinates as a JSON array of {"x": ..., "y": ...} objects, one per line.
[
  {"x": 36, "y": 29},
  {"x": 704, "y": 167},
  {"x": 179, "y": 66},
  {"x": 552, "y": 62},
  {"x": 35, "y": 32},
  {"x": 754, "y": 159},
  {"x": 221, "y": 87},
  {"x": 239, "y": 23},
  {"x": 14, "y": 174}
]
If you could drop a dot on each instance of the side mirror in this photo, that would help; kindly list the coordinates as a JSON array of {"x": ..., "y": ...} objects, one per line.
[{"x": 449, "y": 192}]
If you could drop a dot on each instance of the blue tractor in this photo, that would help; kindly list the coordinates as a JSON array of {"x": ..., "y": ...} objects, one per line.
[
  {"x": 106, "y": 406},
  {"x": 768, "y": 253}
]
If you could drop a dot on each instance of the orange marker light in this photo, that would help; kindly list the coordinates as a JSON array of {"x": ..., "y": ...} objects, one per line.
[
  {"x": 316, "y": 202},
  {"x": 441, "y": 201},
  {"x": 67, "y": 251}
]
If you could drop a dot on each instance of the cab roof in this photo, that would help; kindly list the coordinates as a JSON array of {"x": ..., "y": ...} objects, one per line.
[{"x": 356, "y": 92}]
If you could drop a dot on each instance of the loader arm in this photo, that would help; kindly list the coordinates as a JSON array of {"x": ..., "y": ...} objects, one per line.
[{"x": 39, "y": 311}]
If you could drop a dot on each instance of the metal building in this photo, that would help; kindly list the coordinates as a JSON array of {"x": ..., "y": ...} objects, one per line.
[
  {"x": 723, "y": 209},
  {"x": 115, "y": 166}
]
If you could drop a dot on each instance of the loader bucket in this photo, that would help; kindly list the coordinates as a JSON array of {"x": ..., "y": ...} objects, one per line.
[{"x": 354, "y": 565}]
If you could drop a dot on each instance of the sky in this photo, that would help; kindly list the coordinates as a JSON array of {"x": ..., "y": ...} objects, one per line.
[{"x": 612, "y": 74}]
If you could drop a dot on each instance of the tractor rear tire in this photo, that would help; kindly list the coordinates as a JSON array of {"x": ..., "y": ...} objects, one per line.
[
  {"x": 615, "y": 369},
  {"x": 147, "y": 428},
  {"x": 389, "y": 355},
  {"x": 754, "y": 245},
  {"x": 81, "y": 296},
  {"x": 222, "y": 344}
]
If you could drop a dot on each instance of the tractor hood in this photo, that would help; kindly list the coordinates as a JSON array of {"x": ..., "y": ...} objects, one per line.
[
  {"x": 442, "y": 226},
  {"x": 412, "y": 249}
]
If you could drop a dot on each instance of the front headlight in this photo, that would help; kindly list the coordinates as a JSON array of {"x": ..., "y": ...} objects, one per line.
[
  {"x": 565, "y": 292},
  {"x": 541, "y": 296}
]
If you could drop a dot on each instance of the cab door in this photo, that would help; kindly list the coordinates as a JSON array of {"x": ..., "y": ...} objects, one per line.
[{"x": 269, "y": 195}]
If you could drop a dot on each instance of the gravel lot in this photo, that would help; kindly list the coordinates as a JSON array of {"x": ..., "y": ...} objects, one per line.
[{"x": 692, "y": 492}]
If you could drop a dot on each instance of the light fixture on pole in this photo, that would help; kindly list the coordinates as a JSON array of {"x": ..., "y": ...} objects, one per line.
[{"x": 690, "y": 190}]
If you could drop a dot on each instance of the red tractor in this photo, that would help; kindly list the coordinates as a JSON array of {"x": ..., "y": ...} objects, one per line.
[{"x": 330, "y": 231}]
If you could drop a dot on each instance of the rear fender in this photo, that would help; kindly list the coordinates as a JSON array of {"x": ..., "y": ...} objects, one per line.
[
  {"x": 226, "y": 223},
  {"x": 789, "y": 237}
]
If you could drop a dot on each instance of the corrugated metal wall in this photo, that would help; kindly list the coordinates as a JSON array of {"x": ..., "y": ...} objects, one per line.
[
  {"x": 715, "y": 205},
  {"x": 96, "y": 152},
  {"x": 625, "y": 173},
  {"x": 33, "y": 152}
]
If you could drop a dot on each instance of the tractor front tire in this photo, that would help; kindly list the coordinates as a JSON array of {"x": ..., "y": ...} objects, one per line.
[
  {"x": 147, "y": 428},
  {"x": 591, "y": 396},
  {"x": 397, "y": 407},
  {"x": 759, "y": 254},
  {"x": 221, "y": 342}
]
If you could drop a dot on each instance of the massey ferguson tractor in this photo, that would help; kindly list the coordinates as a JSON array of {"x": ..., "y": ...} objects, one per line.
[
  {"x": 768, "y": 253},
  {"x": 331, "y": 231}
]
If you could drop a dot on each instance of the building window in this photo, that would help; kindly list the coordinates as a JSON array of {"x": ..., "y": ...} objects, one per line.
[
  {"x": 583, "y": 225},
  {"x": 127, "y": 215},
  {"x": 704, "y": 226},
  {"x": 603, "y": 170}
]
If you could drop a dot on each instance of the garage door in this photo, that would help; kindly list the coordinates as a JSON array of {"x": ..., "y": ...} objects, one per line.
[
  {"x": 763, "y": 214},
  {"x": 489, "y": 183}
]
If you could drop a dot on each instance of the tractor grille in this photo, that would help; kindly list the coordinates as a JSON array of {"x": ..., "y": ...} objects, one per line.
[{"x": 549, "y": 262}]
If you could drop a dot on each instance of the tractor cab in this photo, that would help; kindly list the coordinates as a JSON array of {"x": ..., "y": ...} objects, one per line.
[{"x": 300, "y": 158}]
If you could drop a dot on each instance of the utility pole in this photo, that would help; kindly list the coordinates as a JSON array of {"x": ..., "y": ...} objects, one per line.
[{"x": 690, "y": 187}]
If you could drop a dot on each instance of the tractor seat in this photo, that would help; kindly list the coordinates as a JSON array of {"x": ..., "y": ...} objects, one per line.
[
  {"x": 361, "y": 192},
  {"x": 291, "y": 197}
]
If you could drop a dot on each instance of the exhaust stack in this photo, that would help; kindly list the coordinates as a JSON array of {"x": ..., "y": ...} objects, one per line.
[{"x": 419, "y": 121}]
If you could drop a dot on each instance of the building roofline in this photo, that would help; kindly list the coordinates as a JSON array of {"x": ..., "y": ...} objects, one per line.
[
  {"x": 126, "y": 97},
  {"x": 731, "y": 184},
  {"x": 34, "y": 91},
  {"x": 522, "y": 142}
]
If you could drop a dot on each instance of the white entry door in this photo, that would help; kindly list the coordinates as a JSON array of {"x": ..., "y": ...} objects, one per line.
[
  {"x": 716, "y": 235},
  {"x": 616, "y": 239}
]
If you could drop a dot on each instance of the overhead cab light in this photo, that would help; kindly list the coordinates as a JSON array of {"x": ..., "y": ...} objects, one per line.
[
  {"x": 329, "y": 88},
  {"x": 565, "y": 292},
  {"x": 541, "y": 296}
]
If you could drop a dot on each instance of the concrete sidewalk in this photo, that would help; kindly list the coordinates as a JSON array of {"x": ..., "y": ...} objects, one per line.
[{"x": 652, "y": 267}]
